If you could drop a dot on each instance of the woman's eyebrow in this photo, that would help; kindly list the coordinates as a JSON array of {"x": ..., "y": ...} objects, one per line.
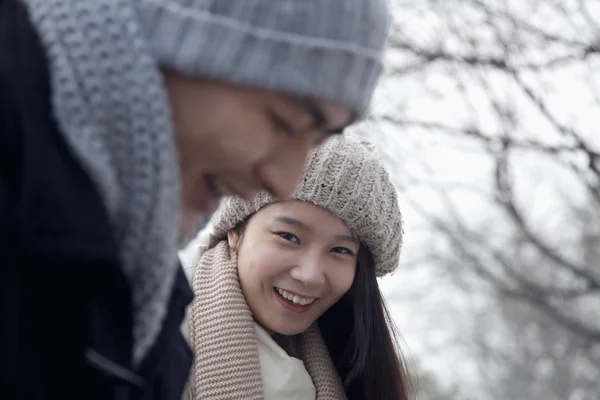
[
  {"x": 286, "y": 219},
  {"x": 347, "y": 238}
]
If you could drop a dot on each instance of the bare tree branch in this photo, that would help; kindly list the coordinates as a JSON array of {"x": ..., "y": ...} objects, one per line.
[{"x": 496, "y": 75}]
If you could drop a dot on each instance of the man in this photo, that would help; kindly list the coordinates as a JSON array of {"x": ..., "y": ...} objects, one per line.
[{"x": 121, "y": 123}]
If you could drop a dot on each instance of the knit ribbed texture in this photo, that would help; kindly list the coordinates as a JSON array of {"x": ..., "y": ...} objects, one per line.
[
  {"x": 226, "y": 363},
  {"x": 329, "y": 49},
  {"x": 319, "y": 365},
  {"x": 109, "y": 102},
  {"x": 344, "y": 176}
]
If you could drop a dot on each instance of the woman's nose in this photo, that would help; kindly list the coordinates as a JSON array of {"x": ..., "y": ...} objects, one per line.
[{"x": 309, "y": 272}]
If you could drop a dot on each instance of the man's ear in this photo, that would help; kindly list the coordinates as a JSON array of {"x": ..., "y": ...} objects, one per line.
[{"x": 233, "y": 238}]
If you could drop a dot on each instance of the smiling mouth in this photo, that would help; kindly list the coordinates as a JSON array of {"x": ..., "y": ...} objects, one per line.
[{"x": 294, "y": 299}]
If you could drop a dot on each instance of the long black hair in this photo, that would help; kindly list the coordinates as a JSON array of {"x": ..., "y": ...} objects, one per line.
[
  {"x": 361, "y": 336},
  {"x": 362, "y": 339}
]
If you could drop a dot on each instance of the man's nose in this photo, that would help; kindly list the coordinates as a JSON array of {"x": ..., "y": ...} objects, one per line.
[{"x": 282, "y": 172}]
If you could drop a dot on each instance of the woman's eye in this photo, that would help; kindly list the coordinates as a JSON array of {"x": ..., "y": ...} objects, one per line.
[
  {"x": 342, "y": 250},
  {"x": 289, "y": 237}
]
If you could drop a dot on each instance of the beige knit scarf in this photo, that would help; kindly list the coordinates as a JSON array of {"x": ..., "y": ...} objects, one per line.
[{"x": 226, "y": 364}]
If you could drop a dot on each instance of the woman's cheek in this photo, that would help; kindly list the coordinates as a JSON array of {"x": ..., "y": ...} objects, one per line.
[{"x": 342, "y": 280}]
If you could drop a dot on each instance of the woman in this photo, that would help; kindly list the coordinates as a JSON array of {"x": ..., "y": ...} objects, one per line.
[{"x": 287, "y": 304}]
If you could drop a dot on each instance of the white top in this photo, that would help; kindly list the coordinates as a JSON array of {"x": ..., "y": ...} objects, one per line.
[{"x": 283, "y": 377}]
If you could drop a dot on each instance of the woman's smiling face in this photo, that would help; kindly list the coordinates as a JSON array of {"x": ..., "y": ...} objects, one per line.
[{"x": 295, "y": 260}]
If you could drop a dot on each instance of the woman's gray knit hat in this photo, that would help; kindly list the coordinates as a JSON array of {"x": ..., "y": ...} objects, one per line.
[
  {"x": 344, "y": 176},
  {"x": 330, "y": 49}
]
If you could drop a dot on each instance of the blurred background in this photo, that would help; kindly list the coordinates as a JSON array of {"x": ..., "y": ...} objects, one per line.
[{"x": 488, "y": 121}]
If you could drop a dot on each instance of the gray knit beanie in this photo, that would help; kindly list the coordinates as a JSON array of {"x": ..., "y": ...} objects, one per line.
[
  {"x": 345, "y": 177},
  {"x": 330, "y": 49}
]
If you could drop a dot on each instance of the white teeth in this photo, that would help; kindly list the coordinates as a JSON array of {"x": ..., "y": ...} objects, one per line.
[{"x": 302, "y": 301}]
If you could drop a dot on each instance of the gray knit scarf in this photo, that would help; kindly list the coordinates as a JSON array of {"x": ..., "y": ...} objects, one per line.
[
  {"x": 109, "y": 102},
  {"x": 226, "y": 362}
]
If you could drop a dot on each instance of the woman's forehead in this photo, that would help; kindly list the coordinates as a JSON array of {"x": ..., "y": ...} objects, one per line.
[{"x": 304, "y": 215}]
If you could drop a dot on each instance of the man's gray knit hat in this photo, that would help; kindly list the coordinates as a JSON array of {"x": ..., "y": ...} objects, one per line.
[
  {"x": 329, "y": 49},
  {"x": 344, "y": 176}
]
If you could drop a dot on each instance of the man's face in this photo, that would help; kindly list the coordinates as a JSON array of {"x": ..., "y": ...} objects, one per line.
[{"x": 235, "y": 139}]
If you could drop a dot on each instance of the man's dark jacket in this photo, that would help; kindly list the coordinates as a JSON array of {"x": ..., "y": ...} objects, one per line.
[{"x": 65, "y": 305}]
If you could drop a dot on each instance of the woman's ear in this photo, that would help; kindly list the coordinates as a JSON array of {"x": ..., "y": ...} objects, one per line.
[{"x": 233, "y": 238}]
